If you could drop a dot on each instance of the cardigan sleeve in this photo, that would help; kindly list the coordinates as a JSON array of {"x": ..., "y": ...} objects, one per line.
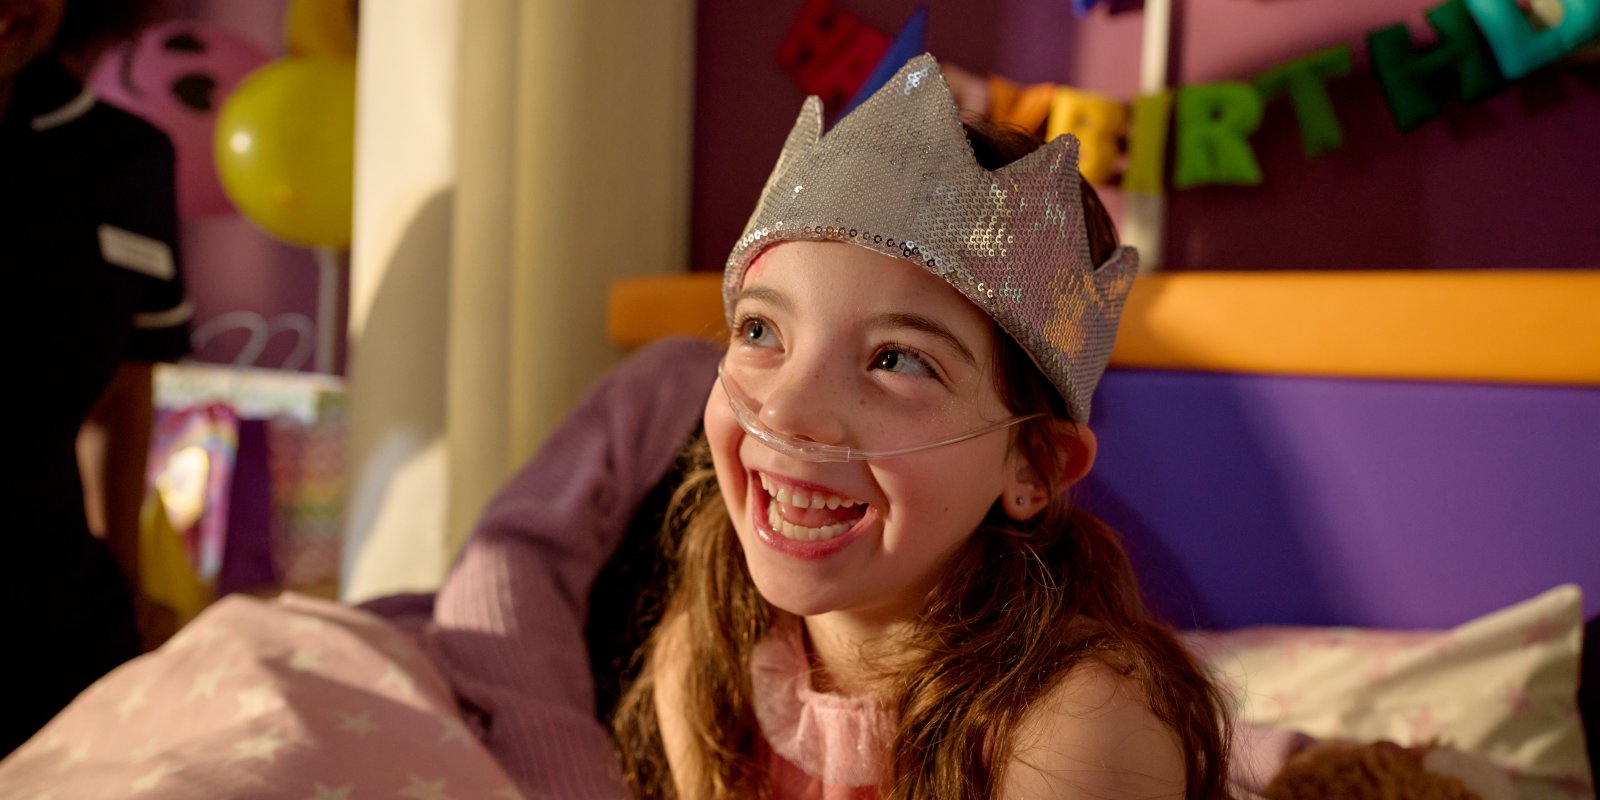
[{"x": 508, "y": 624}]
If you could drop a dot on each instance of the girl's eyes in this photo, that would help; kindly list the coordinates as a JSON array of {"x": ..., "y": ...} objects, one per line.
[
  {"x": 904, "y": 361},
  {"x": 893, "y": 358},
  {"x": 754, "y": 331}
]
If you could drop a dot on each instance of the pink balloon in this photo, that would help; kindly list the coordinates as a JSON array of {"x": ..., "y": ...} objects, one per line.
[{"x": 176, "y": 76}]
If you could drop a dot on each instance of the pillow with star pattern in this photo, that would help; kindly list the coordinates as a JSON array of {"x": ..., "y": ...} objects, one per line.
[
  {"x": 1502, "y": 687},
  {"x": 288, "y": 698}
]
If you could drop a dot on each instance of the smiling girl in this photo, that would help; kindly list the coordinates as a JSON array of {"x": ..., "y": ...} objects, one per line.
[{"x": 880, "y": 588}]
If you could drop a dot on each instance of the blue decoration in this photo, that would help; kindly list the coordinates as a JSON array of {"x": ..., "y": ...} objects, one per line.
[
  {"x": 907, "y": 44},
  {"x": 1083, "y": 7},
  {"x": 1518, "y": 47}
]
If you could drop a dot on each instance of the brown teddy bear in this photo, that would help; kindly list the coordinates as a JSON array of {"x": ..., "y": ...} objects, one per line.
[{"x": 1386, "y": 771}]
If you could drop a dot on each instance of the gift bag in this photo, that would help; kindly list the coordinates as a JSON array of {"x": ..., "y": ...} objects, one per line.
[{"x": 190, "y": 473}]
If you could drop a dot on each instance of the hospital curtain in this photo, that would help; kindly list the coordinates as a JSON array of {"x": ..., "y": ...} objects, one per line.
[{"x": 484, "y": 244}]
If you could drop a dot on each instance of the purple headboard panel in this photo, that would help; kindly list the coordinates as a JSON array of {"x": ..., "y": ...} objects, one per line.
[{"x": 1250, "y": 499}]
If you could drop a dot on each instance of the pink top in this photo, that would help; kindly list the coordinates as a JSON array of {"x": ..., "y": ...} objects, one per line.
[{"x": 821, "y": 746}]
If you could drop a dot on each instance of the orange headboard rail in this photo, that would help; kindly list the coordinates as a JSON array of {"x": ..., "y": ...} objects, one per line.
[{"x": 1496, "y": 326}]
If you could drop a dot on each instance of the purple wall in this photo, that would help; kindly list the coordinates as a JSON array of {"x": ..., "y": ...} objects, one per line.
[
  {"x": 1253, "y": 499},
  {"x": 1506, "y": 183}
]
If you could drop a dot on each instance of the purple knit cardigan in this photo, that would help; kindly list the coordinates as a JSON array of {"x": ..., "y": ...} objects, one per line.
[{"x": 507, "y": 627}]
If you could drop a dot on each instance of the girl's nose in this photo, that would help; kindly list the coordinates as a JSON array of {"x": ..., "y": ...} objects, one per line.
[{"x": 804, "y": 404}]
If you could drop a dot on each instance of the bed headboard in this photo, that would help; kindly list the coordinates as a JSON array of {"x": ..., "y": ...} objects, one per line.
[{"x": 1382, "y": 449}]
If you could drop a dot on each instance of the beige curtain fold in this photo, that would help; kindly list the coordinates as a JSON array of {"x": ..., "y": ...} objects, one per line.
[{"x": 568, "y": 168}]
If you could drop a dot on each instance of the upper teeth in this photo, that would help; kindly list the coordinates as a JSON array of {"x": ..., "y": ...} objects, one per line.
[{"x": 801, "y": 498}]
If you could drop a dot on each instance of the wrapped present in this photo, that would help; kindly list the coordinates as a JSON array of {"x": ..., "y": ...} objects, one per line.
[{"x": 307, "y": 464}]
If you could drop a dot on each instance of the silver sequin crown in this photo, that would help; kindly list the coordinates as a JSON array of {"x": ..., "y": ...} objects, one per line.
[{"x": 897, "y": 176}]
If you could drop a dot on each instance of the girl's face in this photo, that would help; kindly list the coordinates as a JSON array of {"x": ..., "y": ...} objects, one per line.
[{"x": 841, "y": 345}]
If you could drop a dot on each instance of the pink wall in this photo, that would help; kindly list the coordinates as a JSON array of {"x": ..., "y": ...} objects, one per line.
[
  {"x": 234, "y": 271},
  {"x": 1506, "y": 183}
]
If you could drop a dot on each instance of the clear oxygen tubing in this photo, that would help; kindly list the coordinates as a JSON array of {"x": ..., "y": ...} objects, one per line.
[{"x": 744, "y": 410}]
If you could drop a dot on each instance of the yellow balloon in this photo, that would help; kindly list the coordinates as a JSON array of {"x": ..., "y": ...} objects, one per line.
[
  {"x": 285, "y": 149},
  {"x": 321, "y": 28}
]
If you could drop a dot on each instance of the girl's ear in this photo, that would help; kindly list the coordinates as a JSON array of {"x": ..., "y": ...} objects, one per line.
[{"x": 1027, "y": 491}]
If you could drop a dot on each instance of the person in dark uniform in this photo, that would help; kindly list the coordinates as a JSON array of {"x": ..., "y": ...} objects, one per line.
[{"x": 87, "y": 248}]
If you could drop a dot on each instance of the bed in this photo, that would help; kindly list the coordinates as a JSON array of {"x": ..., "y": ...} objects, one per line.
[{"x": 1372, "y": 496}]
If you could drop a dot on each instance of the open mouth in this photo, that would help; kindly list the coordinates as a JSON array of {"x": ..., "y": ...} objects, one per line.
[{"x": 809, "y": 515}]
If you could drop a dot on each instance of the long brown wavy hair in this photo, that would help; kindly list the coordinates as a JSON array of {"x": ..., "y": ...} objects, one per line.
[{"x": 1021, "y": 605}]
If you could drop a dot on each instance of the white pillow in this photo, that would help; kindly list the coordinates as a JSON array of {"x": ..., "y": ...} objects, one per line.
[{"x": 1503, "y": 687}]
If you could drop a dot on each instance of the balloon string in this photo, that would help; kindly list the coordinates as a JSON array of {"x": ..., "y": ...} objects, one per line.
[{"x": 327, "y": 308}]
